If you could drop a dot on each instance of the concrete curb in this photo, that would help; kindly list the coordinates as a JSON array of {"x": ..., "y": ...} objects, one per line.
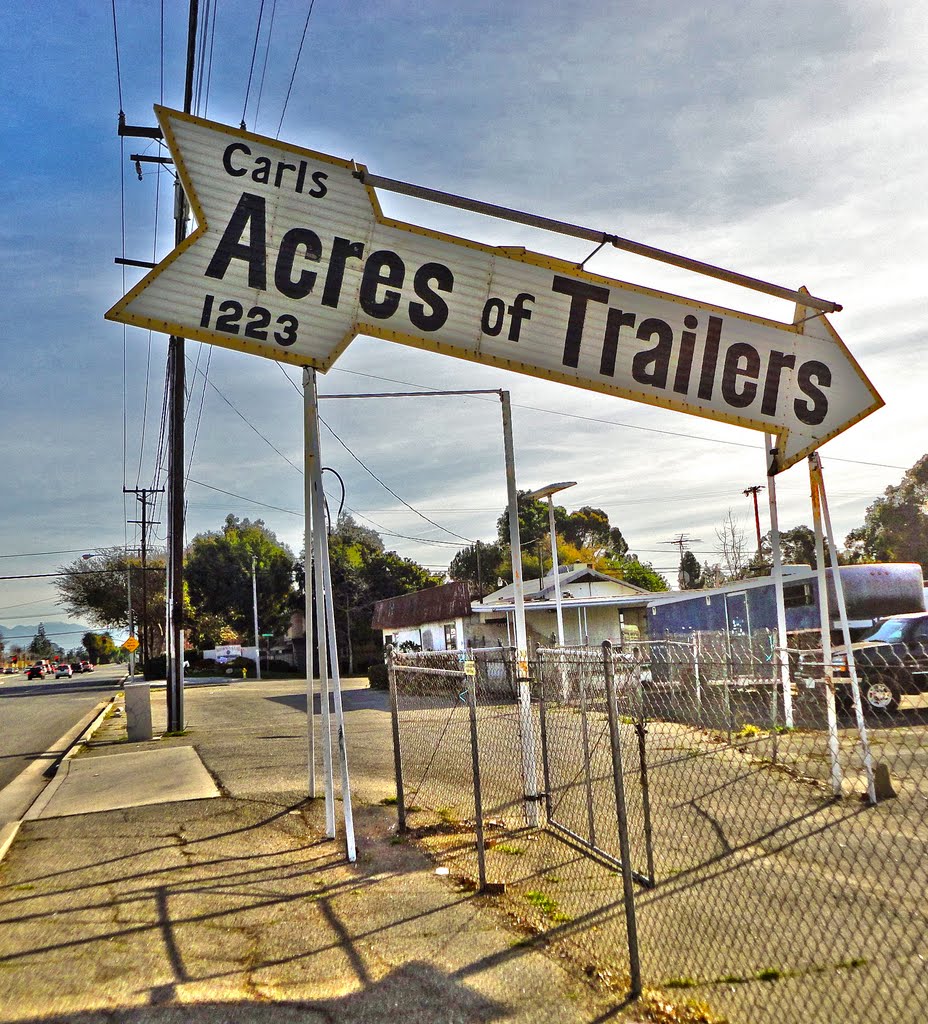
[{"x": 19, "y": 797}]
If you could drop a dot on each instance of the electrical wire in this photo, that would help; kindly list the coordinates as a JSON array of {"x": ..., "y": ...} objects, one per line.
[
  {"x": 267, "y": 48},
  {"x": 295, "y": 66},
  {"x": 251, "y": 69},
  {"x": 611, "y": 423}
]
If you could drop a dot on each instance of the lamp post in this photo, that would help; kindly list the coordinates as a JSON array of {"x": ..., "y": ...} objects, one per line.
[{"x": 547, "y": 492}]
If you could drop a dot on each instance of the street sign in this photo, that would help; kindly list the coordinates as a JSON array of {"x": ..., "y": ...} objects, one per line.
[
  {"x": 131, "y": 644},
  {"x": 292, "y": 258}
]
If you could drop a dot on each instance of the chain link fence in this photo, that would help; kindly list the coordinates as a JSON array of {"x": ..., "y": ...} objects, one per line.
[{"x": 744, "y": 826}]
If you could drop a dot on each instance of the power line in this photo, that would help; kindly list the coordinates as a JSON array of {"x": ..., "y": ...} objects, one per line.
[
  {"x": 617, "y": 423},
  {"x": 252, "y": 66},
  {"x": 295, "y": 66}
]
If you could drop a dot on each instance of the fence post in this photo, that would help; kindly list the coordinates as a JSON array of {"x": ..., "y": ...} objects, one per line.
[
  {"x": 585, "y": 735},
  {"x": 631, "y": 924},
  {"x": 543, "y": 726},
  {"x": 397, "y": 751},
  {"x": 478, "y": 791}
]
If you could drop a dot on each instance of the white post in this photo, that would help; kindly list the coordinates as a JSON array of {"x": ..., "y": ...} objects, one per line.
[
  {"x": 254, "y": 604},
  {"x": 866, "y": 754},
  {"x": 782, "y": 651},
  {"x": 308, "y": 413},
  {"x": 556, "y": 571},
  {"x": 526, "y": 722},
  {"x": 825, "y": 622},
  {"x": 314, "y": 474},
  {"x": 324, "y": 576}
]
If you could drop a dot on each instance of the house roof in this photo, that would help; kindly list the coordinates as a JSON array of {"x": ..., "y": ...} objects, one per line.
[
  {"x": 543, "y": 590},
  {"x": 436, "y": 604}
]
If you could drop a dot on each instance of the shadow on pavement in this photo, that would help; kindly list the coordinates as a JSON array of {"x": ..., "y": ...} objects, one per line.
[
  {"x": 416, "y": 992},
  {"x": 352, "y": 700}
]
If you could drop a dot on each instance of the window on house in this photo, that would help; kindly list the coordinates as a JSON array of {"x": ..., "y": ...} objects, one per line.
[
  {"x": 451, "y": 637},
  {"x": 797, "y": 595},
  {"x": 389, "y": 638}
]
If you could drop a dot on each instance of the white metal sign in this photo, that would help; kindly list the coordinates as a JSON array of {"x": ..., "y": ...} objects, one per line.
[{"x": 292, "y": 258}]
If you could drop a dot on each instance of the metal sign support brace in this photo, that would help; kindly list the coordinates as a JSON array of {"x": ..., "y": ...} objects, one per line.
[{"x": 328, "y": 649}]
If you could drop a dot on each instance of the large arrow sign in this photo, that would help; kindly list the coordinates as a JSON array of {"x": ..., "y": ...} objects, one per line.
[{"x": 292, "y": 258}]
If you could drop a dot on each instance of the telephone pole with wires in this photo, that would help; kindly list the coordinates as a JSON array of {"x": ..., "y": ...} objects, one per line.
[
  {"x": 142, "y": 495},
  {"x": 753, "y": 492},
  {"x": 176, "y": 364},
  {"x": 681, "y": 541}
]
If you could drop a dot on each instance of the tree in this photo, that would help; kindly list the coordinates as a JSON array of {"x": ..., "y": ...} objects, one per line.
[
  {"x": 41, "y": 646},
  {"x": 732, "y": 547},
  {"x": 96, "y": 589},
  {"x": 100, "y": 647},
  {"x": 588, "y": 527},
  {"x": 690, "y": 572},
  {"x": 363, "y": 572},
  {"x": 641, "y": 574},
  {"x": 895, "y": 527},
  {"x": 533, "y": 520},
  {"x": 493, "y": 565},
  {"x": 218, "y": 574}
]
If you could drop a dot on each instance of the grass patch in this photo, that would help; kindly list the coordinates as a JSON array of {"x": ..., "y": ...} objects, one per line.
[
  {"x": 389, "y": 801},
  {"x": 547, "y": 905},
  {"x": 447, "y": 816},
  {"x": 510, "y": 848},
  {"x": 681, "y": 983}
]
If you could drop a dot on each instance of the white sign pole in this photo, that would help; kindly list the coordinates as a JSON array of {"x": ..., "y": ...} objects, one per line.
[
  {"x": 308, "y": 564},
  {"x": 834, "y": 750},
  {"x": 318, "y": 528},
  {"x": 326, "y": 618},
  {"x": 777, "y": 555},
  {"x": 866, "y": 754},
  {"x": 526, "y": 721}
]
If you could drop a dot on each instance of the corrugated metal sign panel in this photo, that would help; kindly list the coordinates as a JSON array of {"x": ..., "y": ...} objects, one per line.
[{"x": 292, "y": 258}]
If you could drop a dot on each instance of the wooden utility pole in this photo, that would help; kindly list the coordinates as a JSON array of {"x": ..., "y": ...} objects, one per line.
[
  {"x": 176, "y": 372},
  {"x": 754, "y": 491},
  {"x": 142, "y": 495}
]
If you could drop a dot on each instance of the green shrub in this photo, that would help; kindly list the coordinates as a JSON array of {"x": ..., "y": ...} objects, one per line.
[
  {"x": 156, "y": 668},
  {"x": 378, "y": 677}
]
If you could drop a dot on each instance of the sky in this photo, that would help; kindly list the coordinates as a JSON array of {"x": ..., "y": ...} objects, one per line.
[{"x": 777, "y": 140}]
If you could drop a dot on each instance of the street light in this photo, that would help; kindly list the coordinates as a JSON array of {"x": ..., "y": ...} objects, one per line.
[{"x": 547, "y": 492}]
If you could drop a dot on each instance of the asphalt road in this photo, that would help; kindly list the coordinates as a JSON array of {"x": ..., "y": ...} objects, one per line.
[{"x": 33, "y": 715}]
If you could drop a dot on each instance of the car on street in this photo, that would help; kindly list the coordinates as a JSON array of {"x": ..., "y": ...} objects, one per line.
[
  {"x": 76, "y": 667},
  {"x": 36, "y": 671},
  {"x": 891, "y": 662},
  {"x": 86, "y": 666},
  {"x": 64, "y": 671}
]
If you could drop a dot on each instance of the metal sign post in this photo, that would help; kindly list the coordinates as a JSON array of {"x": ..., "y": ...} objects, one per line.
[
  {"x": 326, "y": 618},
  {"x": 815, "y": 470},
  {"x": 834, "y": 750},
  {"x": 777, "y": 555},
  {"x": 313, "y": 478}
]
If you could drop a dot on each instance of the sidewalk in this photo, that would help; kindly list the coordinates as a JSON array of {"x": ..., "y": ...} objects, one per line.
[{"x": 120, "y": 901}]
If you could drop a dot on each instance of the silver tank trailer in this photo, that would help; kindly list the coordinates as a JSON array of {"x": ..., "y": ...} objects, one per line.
[{"x": 875, "y": 591}]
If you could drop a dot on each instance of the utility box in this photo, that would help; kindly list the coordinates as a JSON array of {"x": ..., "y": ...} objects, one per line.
[{"x": 138, "y": 711}]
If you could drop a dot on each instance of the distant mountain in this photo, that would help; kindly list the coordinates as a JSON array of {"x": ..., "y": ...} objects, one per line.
[{"x": 65, "y": 634}]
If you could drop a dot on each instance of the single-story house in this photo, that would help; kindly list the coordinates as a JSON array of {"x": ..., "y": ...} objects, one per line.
[{"x": 595, "y": 607}]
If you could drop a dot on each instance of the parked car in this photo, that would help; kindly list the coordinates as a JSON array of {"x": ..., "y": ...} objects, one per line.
[
  {"x": 36, "y": 671},
  {"x": 892, "y": 661}
]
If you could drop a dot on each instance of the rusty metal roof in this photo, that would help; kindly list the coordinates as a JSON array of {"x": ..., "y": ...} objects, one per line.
[{"x": 437, "y": 604}]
